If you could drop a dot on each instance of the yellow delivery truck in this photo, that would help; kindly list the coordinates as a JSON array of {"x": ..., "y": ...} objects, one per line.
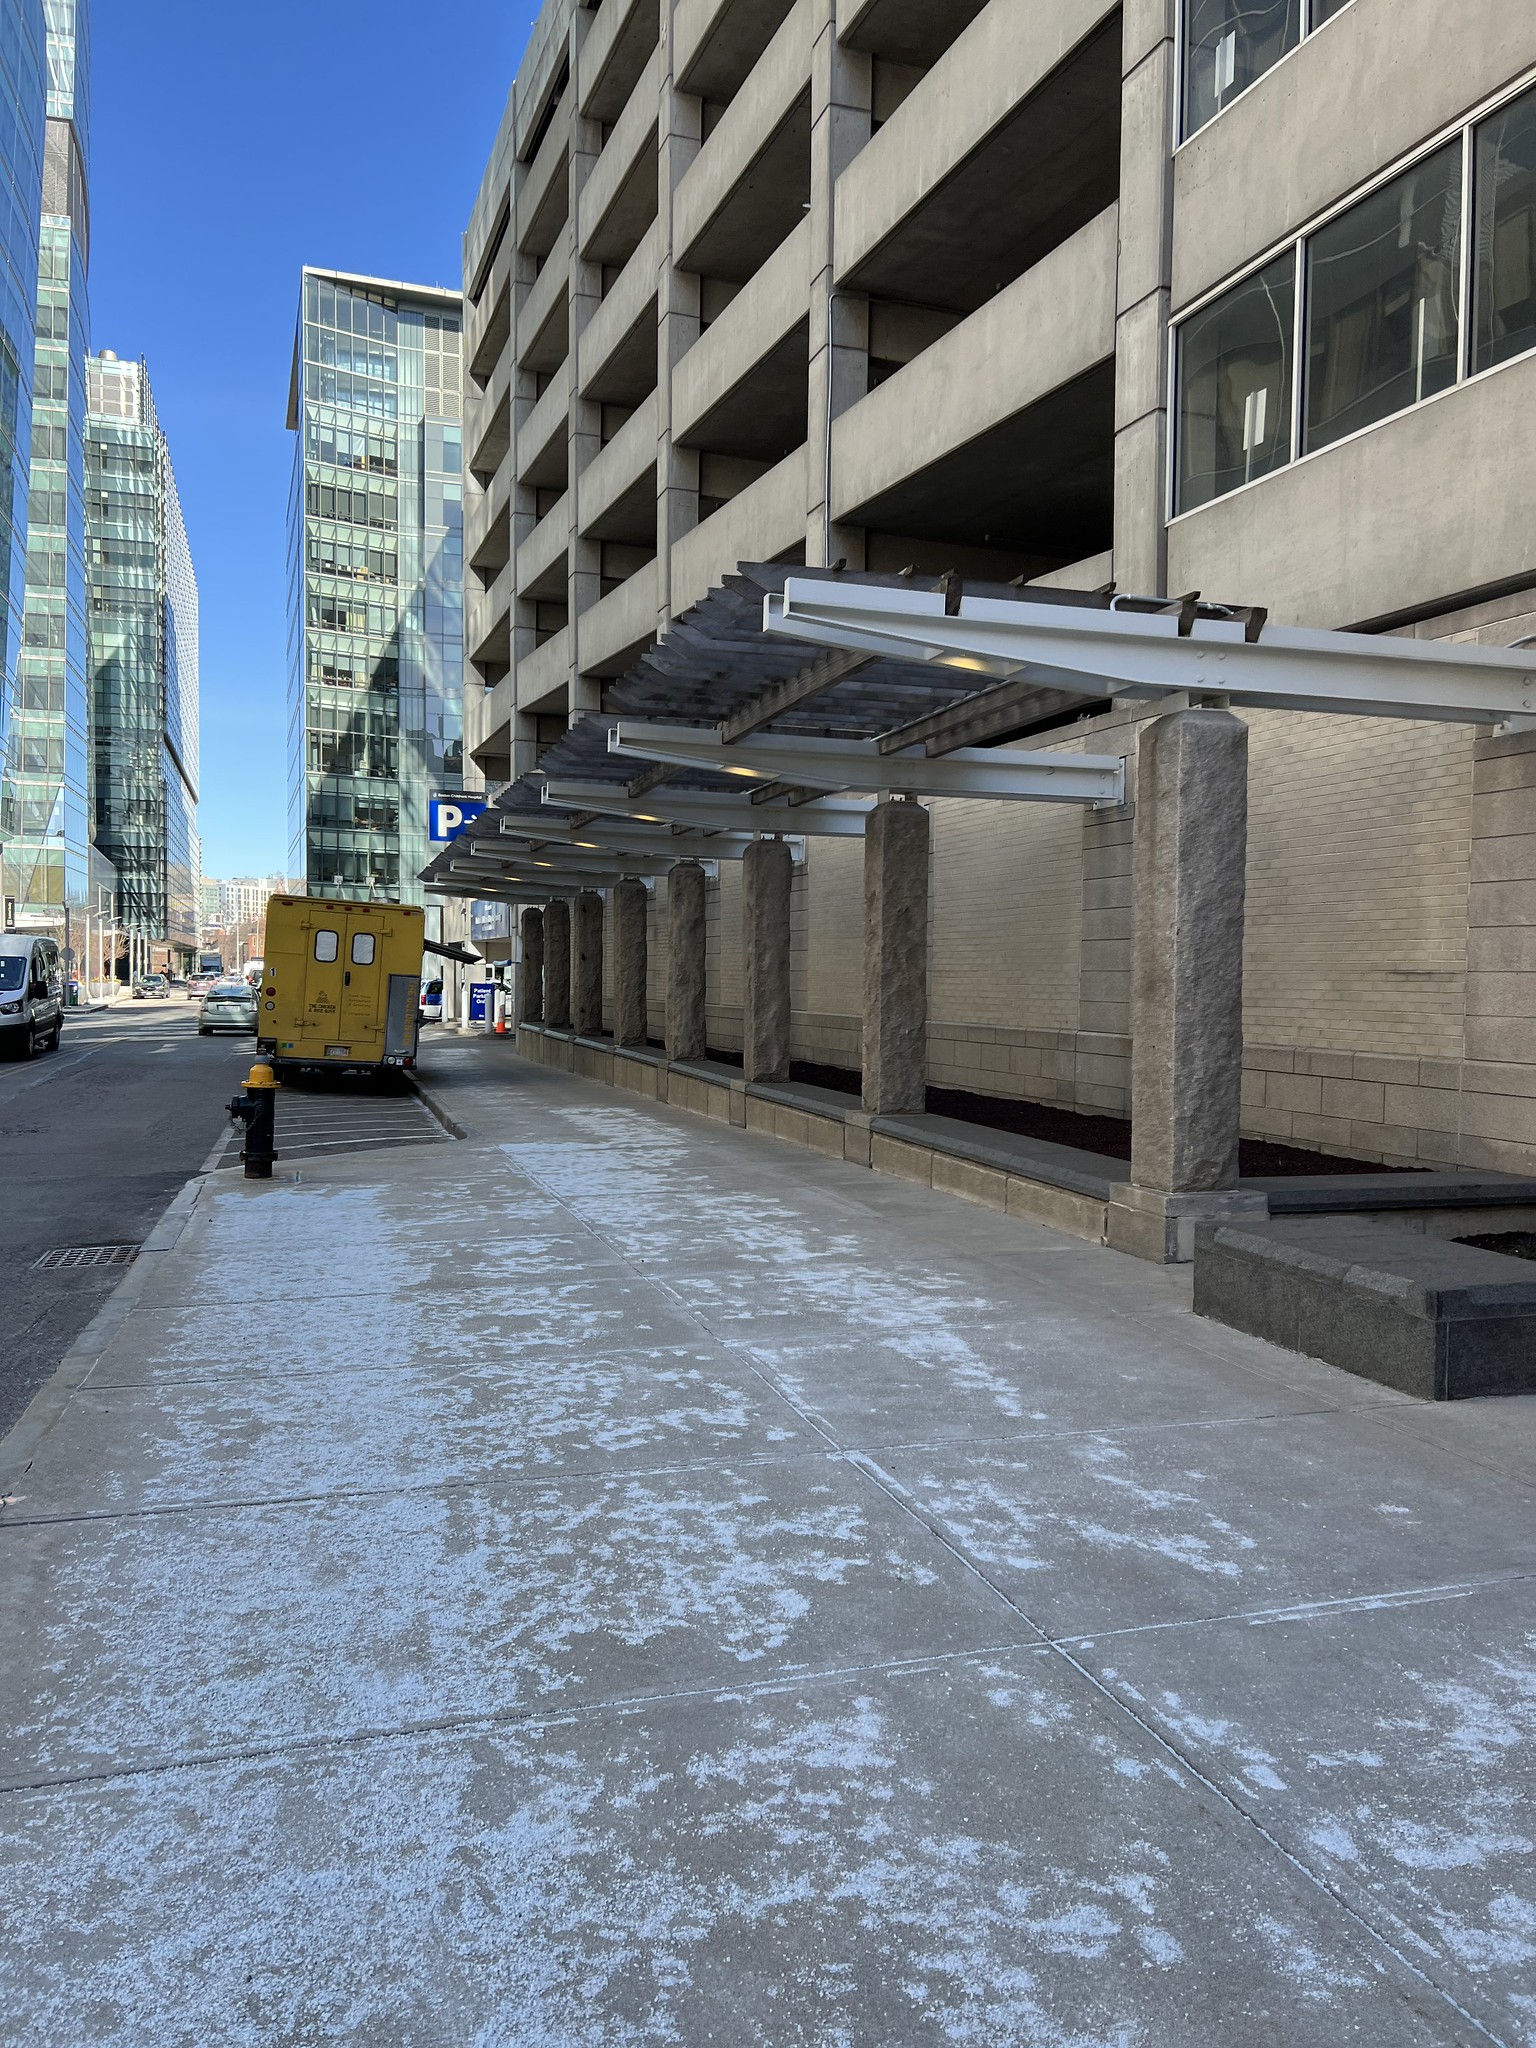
[{"x": 341, "y": 985}]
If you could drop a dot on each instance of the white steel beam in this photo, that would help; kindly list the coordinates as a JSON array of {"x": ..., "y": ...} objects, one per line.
[
  {"x": 718, "y": 811},
  {"x": 992, "y": 773},
  {"x": 1146, "y": 654}
]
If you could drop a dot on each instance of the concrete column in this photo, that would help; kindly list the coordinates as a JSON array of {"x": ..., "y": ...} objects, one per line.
[
  {"x": 767, "y": 871},
  {"x": 631, "y": 965},
  {"x": 530, "y": 983},
  {"x": 557, "y": 965},
  {"x": 1142, "y": 294},
  {"x": 1186, "y": 985},
  {"x": 841, "y": 83},
  {"x": 896, "y": 842},
  {"x": 587, "y": 965},
  {"x": 686, "y": 1028}
]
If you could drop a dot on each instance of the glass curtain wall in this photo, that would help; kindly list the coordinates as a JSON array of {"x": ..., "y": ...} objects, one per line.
[
  {"x": 376, "y": 580},
  {"x": 48, "y": 847},
  {"x": 23, "y": 102},
  {"x": 144, "y": 662}
]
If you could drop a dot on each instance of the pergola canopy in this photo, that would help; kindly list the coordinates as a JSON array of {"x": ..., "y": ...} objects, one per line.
[{"x": 785, "y": 685}]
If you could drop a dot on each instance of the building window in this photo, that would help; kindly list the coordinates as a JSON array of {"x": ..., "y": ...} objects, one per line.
[
  {"x": 1391, "y": 313},
  {"x": 1383, "y": 329},
  {"x": 1228, "y": 44},
  {"x": 1235, "y": 377},
  {"x": 1504, "y": 207}
]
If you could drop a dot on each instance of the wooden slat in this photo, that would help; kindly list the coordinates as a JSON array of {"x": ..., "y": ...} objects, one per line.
[{"x": 771, "y": 703}]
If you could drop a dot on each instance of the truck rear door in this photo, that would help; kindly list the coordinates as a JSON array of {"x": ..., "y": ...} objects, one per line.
[
  {"x": 362, "y": 983},
  {"x": 326, "y": 930}
]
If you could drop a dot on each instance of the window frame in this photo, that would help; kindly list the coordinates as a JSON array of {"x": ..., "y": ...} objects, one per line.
[
  {"x": 1463, "y": 129},
  {"x": 1184, "y": 133}
]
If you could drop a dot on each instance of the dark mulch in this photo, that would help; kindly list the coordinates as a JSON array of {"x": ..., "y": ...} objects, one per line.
[
  {"x": 1109, "y": 1135},
  {"x": 1514, "y": 1244}
]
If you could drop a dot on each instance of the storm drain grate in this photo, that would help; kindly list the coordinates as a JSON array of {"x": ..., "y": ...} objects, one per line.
[{"x": 86, "y": 1255}]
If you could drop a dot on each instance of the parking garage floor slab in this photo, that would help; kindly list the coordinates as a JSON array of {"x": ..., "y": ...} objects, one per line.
[{"x": 617, "y": 1579}]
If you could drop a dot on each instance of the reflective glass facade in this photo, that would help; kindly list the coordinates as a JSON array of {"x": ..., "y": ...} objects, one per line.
[
  {"x": 22, "y": 111},
  {"x": 376, "y": 581},
  {"x": 144, "y": 660},
  {"x": 48, "y": 840}
]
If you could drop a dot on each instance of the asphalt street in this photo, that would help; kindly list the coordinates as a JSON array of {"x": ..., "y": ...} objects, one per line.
[{"x": 94, "y": 1141}]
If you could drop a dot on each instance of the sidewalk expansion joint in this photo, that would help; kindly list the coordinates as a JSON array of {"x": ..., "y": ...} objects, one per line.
[
  {"x": 1359, "y": 1912},
  {"x": 788, "y": 1682}
]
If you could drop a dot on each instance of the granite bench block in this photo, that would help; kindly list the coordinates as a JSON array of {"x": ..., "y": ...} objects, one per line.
[{"x": 1430, "y": 1317}]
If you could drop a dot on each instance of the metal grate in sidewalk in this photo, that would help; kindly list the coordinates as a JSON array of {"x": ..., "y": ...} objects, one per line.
[{"x": 72, "y": 1256}]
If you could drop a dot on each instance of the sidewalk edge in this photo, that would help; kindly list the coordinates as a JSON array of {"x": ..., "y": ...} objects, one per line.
[
  {"x": 430, "y": 1103},
  {"x": 25, "y": 1438}
]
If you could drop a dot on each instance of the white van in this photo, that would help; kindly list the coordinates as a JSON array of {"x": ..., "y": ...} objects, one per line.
[{"x": 31, "y": 994}]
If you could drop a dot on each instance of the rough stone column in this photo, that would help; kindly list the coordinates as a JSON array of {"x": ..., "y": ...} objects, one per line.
[
  {"x": 896, "y": 842},
  {"x": 631, "y": 964},
  {"x": 587, "y": 965},
  {"x": 530, "y": 983},
  {"x": 767, "y": 872},
  {"x": 557, "y": 965},
  {"x": 1186, "y": 984},
  {"x": 687, "y": 1037}
]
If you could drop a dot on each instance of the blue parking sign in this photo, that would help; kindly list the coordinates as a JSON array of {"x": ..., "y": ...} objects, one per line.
[
  {"x": 448, "y": 815},
  {"x": 481, "y": 997}
]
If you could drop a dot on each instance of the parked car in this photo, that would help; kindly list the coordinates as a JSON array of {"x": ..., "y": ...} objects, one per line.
[
  {"x": 227, "y": 1006},
  {"x": 150, "y": 988},
  {"x": 31, "y": 994},
  {"x": 432, "y": 1002}
]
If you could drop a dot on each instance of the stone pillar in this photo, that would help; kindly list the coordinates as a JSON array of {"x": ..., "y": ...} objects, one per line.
[
  {"x": 557, "y": 965},
  {"x": 1186, "y": 985},
  {"x": 587, "y": 966},
  {"x": 767, "y": 871},
  {"x": 530, "y": 983},
  {"x": 687, "y": 1037},
  {"x": 896, "y": 841},
  {"x": 631, "y": 965}
]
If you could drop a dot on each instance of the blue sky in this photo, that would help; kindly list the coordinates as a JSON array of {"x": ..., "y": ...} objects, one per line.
[{"x": 231, "y": 145}]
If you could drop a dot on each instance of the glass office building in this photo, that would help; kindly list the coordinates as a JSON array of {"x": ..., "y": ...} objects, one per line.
[
  {"x": 23, "y": 105},
  {"x": 143, "y": 661},
  {"x": 376, "y": 581},
  {"x": 47, "y": 855}
]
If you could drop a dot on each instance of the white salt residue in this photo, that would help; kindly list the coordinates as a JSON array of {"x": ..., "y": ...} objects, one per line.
[
  {"x": 1296, "y": 1958},
  {"x": 1258, "y": 1765},
  {"x": 1335, "y": 1840},
  {"x": 377, "y": 1613},
  {"x": 1160, "y": 1947},
  {"x": 1346, "y": 1759},
  {"x": 507, "y": 1408},
  {"x": 717, "y": 1245},
  {"x": 1433, "y": 1845}
]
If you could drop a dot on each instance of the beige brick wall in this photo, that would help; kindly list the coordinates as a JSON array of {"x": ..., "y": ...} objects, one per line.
[{"x": 1358, "y": 848}]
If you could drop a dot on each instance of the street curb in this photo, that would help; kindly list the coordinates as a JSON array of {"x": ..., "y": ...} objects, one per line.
[
  {"x": 431, "y": 1104},
  {"x": 25, "y": 1438}
]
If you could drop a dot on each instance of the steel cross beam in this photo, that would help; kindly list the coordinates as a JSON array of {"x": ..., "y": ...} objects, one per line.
[
  {"x": 711, "y": 811},
  {"x": 858, "y": 764},
  {"x": 601, "y": 836},
  {"x": 559, "y": 861},
  {"x": 1109, "y": 653}
]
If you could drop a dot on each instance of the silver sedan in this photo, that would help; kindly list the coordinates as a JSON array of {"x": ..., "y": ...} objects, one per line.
[{"x": 228, "y": 1006}]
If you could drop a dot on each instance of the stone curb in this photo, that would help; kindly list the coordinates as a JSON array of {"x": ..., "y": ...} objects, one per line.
[
  {"x": 24, "y": 1440},
  {"x": 430, "y": 1103}
]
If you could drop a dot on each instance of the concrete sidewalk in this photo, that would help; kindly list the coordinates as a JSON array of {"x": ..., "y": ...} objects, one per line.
[{"x": 621, "y": 1580}]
